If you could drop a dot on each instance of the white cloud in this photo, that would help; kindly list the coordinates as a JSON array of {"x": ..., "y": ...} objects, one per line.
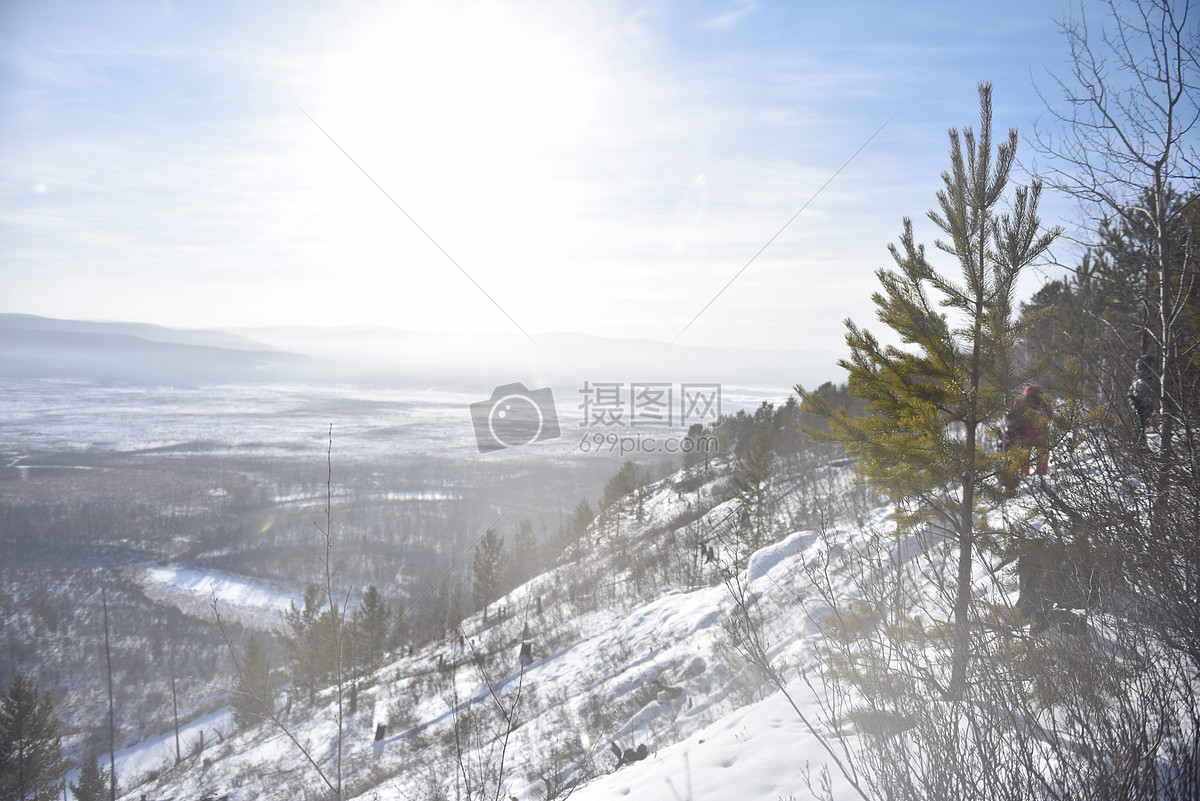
[{"x": 729, "y": 18}]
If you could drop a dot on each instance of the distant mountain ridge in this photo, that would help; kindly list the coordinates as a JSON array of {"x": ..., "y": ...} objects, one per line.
[
  {"x": 40, "y": 347},
  {"x": 146, "y": 331},
  {"x": 144, "y": 354},
  {"x": 558, "y": 358}
]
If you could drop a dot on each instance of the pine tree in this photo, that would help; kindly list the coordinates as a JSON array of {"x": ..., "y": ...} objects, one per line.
[
  {"x": 695, "y": 449},
  {"x": 454, "y": 609},
  {"x": 313, "y": 640},
  {"x": 31, "y": 763},
  {"x": 624, "y": 482},
  {"x": 372, "y": 625},
  {"x": 581, "y": 518},
  {"x": 919, "y": 438},
  {"x": 752, "y": 491},
  {"x": 489, "y": 570},
  {"x": 93, "y": 781},
  {"x": 525, "y": 552},
  {"x": 252, "y": 701}
]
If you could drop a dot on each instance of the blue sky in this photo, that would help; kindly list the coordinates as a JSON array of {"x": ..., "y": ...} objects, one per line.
[{"x": 597, "y": 167}]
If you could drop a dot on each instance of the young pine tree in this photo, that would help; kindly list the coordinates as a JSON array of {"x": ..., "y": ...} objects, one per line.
[
  {"x": 524, "y": 562},
  {"x": 919, "y": 440},
  {"x": 581, "y": 518},
  {"x": 93, "y": 781},
  {"x": 313, "y": 640},
  {"x": 489, "y": 570},
  {"x": 752, "y": 488},
  {"x": 31, "y": 763},
  {"x": 252, "y": 701},
  {"x": 624, "y": 482},
  {"x": 374, "y": 628}
]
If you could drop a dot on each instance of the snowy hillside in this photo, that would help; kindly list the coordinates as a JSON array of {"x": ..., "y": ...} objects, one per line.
[
  {"x": 631, "y": 648},
  {"x": 643, "y": 680}
]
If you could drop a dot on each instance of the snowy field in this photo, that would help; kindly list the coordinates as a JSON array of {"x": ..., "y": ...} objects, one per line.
[
  {"x": 269, "y": 421},
  {"x": 272, "y": 421}
]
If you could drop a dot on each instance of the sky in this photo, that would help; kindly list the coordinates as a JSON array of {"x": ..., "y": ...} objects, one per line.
[{"x": 491, "y": 166}]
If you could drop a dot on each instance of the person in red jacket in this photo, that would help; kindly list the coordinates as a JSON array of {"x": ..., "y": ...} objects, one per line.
[{"x": 1026, "y": 427}]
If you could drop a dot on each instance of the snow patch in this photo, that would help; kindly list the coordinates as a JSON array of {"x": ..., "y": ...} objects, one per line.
[{"x": 192, "y": 592}]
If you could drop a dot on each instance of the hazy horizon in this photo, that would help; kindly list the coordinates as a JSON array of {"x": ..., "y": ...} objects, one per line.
[{"x": 49, "y": 347}]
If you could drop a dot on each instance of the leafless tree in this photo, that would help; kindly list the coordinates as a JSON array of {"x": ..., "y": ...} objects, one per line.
[{"x": 1121, "y": 133}]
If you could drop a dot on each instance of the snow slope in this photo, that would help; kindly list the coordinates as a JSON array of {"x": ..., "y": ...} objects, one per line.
[
  {"x": 632, "y": 648},
  {"x": 759, "y": 751}
]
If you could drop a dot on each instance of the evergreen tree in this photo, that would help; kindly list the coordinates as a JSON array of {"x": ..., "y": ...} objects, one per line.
[
  {"x": 372, "y": 627},
  {"x": 524, "y": 552},
  {"x": 581, "y": 518},
  {"x": 695, "y": 449},
  {"x": 734, "y": 433},
  {"x": 252, "y": 700},
  {"x": 1093, "y": 326},
  {"x": 313, "y": 640},
  {"x": 1132, "y": 248},
  {"x": 563, "y": 538},
  {"x": 454, "y": 608},
  {"x": 489, "y": 570},
  {"x": 751, "y": 482},
  {"x": 93, "y": 781},
  {"x": 919, "y": 438},
  {"x": 624, "y": 482},
  {"x": 31, "y": 763}
]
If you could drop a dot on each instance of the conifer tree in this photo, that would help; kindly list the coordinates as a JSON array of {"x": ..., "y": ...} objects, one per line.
[
  {"x": 93, "y": 781},
  {"x": 751, "y": 487},
  {"x": 313, "y": 639},
  {"x": 624, "y": 482},
  {"x": 252, "y": 700},
  {"x": 581, "y": 518},
  {"x": 919, "y": 439},
  {"x": 372, "y": 625},
  {"x": 524, "y": 562},
  {"x": 31, "y": 763},
  {"x": 454, "y": 609},
  {"x": 695, "y": 451},
  {"x": 489, "y": 570}
]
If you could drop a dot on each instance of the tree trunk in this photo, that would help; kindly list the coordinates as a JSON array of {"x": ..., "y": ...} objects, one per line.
[
  {"x": 175, "y": 708},
  {"x": 112, "y": 725}
]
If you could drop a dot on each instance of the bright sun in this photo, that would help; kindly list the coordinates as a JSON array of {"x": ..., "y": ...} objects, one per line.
[{"x": 475, "y": 117}]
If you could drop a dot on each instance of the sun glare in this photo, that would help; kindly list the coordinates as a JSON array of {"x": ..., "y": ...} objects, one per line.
[
  {"x": 489, "y": 91},
  {"x": 475, "y": 119}
]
